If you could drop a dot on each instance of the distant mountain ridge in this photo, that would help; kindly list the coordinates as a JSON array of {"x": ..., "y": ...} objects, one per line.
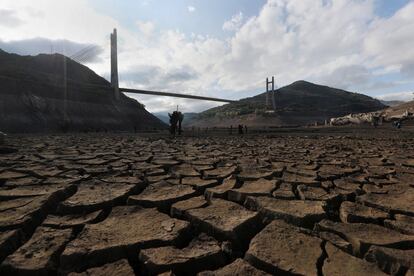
[
  {"x": 34, "y": 96},
  {"x": 299, "y": 103},
  {"x": 391, "y": 103}
]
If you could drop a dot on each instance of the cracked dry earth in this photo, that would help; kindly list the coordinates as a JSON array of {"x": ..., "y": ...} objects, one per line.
[{"x": 257, "y": 205}]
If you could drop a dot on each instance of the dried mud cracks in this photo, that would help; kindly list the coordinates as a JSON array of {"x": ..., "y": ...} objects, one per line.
[{"x": 124, "y": 205}]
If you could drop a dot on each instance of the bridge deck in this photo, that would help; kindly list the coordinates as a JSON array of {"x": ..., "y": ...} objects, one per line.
[{"x": 158, "y": 93}]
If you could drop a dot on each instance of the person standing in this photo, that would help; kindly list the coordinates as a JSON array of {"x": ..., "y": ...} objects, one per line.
[{"x": 180, "y": 121}]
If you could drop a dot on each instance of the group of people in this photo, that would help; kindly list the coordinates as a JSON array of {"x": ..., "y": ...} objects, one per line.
[
  {"x": 397, "y": 124},
  {"x": 241, "y": 129},
  {"x": 176, "y": 120}
]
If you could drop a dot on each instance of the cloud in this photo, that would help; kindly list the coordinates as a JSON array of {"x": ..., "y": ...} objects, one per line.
[
  {"x": 234, "y": 23},
  {"x": 168, "y": 104},
  {"x": 400, "y": 96},
  {"x": 8, "y": 18},
  {"x": 146, "y": 27},
  {"x": 157, "y": 78},
  {"x": 35, "y": 46},
  {"x": 407, "y": 69},
  {"x": 390, "y": 41},
  {"x": 347, "y": 76},
  {"x": 297, "y": 40},
  {"x": 191, "y": 9}
]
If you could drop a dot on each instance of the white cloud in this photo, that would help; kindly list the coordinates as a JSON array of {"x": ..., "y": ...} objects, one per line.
[
  {"x": 191, "y": 9},
  {"x": 390, "y": 41},
  {"x": 234, "y": 23},
  {"x": 146, "y": 27},
  {"x": 297, "y": 39},
  {"x": 8, "y": 18},
  {"x": 400, "y": 96}
]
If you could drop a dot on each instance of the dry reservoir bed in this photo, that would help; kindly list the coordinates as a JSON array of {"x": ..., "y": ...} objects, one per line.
[{"x": 256, "y": 205}]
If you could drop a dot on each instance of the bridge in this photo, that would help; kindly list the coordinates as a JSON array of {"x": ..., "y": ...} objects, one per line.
[
  {"x": 117, "y": 90},
  {"x": 82, "y": 56}
]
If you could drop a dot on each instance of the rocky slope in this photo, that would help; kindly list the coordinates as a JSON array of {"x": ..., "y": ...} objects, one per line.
[
  {"x": 34, "y": 96},
  {"x": 404, "y": 111},
  {"x": 299, "y": 103}
]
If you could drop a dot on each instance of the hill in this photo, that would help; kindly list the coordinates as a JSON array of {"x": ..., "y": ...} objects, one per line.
[
  {"x": 163, "y": 116},
  {"x": 400, "y": 110},
  {"x": 391, "y": 103},
  {"x": 299, "y": 103},
  {"x": 34, "y": 96}
]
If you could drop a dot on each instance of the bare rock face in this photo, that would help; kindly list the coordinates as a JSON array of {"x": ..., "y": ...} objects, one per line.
[
  {"x": 363, "y": 235},
  {"x": 280, "y": 248},
  {"x": 202, "y": 253},
  {"x": 111, "y": 239},
  {"x": 400, "y": 203},
  {"x": 95, "y": 195},
  {"x": 298, "y": 212},
  {"x": 390, "y": 260},
  {"x": 39, "y": 256},
  {"x": 351, "y": 212},
  {"x": 119, "y": 268},
  {"x": 341, "y": 263},
  {"x": 225, "y": 219},
  {"x": 162, "y": 195},
  {"x": 261, "y": 187},
  {"x": 237, "y": 268}
]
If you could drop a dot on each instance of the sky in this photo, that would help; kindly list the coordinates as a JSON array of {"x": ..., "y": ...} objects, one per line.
[{"x": 225, "y": 49}]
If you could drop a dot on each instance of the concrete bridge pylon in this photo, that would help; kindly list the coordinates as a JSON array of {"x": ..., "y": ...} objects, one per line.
[{"x": 114, "y": 65}]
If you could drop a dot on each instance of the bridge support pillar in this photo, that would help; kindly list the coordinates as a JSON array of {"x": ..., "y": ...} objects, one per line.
[
  {"x": 270, "y": 95},
  {"x": 114, "y": 65},
  {"x": 267, "y": 92}
]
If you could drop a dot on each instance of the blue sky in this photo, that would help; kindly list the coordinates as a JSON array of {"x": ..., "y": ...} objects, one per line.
[
  {"x": 206, "y": 19},
  {"x": 226, "y": 48},
  {"x": 386, "y": 8}
]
